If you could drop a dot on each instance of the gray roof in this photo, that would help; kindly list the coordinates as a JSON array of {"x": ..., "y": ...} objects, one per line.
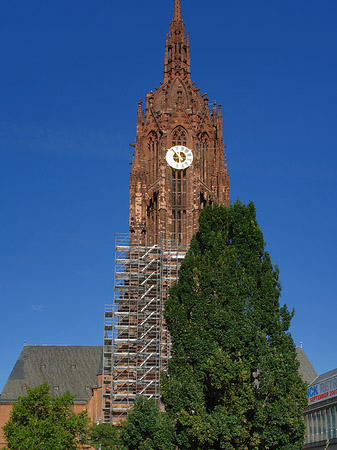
[
  {"x": 306, "y": 369},
  {"x": 72, "y": 368},
  {"x": 325, "y": 376}
]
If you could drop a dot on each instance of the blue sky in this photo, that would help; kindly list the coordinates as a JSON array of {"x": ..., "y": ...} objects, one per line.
[{"x": 71, "y": 76}]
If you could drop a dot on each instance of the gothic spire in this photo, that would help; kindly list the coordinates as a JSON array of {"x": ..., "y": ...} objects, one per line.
[
  {"x": 177, "y": 52},
  {"x": 177, "y": 11},
  {"x": 177, "y": 27}
]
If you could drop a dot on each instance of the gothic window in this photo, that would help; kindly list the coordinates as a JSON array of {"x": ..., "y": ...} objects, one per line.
[
  {"x": 179, "y": 188},
  {"x": 203, "y": 201},
  {"x": 178, "y": 222},
  {"x": 170, "y": 52},
  {"x": 178, "y": 191},
  {"x": 153, "y": 218},
  {"x": 153, "y": 156},
  {"x": 179, "y": 136}
]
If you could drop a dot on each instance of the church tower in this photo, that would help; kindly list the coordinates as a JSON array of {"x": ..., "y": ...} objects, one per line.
[
  {"x": 179, "y": 164},
  {"x": 178, "y": 167}
]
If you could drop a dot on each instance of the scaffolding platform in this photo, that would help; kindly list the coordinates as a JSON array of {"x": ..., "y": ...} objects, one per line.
[{"x": 136, "y": 344}]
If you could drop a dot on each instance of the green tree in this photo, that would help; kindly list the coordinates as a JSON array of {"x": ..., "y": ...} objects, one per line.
[
  {"x": 103, "y": 436},
  {"x": 147, "y": 428},
  {"x": 41, "y": 422},
  {"x": 233, "y": 379}
]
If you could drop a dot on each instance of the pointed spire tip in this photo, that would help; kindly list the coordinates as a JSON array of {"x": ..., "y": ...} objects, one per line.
[{"x": 177, "y": 11}]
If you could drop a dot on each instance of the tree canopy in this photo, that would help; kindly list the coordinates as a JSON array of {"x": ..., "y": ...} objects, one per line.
[
  {"x": 147, "y": 428},
  {"x": 104, "y": 436},
  {"x": 41, "y": 422},
  {"x": 233, "y": 379}
]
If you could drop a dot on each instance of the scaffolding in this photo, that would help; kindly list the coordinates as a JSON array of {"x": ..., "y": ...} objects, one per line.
[{"x": 136, "y": 341}]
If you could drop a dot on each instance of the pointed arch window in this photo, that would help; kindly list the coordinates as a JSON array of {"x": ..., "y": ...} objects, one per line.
[
  {"x": 170, "y": 53},
  {"x": 179, "y": 136},
  {"x": 185, "y": 52},
  {"x": 153, "y": 156},
  {"x": 179, "y": 192},
  {"x": 153, "y": 220}
]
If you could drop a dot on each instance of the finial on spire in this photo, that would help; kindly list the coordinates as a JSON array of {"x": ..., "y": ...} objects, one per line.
[
  {"x": 177, "y": 11},
  {"x": 140, "y": 116}
]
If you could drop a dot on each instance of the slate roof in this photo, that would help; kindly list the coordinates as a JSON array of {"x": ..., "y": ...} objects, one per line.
[
  {"x": 306, "y": 369},
  {"x": 72, "y": 368},
  {"x": 325, "y": 376}
]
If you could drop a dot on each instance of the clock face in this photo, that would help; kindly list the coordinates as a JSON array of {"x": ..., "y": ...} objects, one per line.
[{"x": 179, "y": 157}]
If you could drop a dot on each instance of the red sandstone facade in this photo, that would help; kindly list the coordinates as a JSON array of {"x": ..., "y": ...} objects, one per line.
[{"x": 165, "y": 202}]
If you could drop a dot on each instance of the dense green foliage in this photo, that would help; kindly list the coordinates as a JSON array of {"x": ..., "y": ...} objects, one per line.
[
  {"x": 41, "y": 422},
  {"x": 233, "y": 381},
  {"x": 103, "y": 436},
  {"x": 147, "y": 428}
]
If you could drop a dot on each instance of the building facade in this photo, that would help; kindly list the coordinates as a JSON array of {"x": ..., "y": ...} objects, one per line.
[
  {"x": 73, "y": 368},
  {"x": 178, "y": 167},
  {"x": 321, "y": 414}
]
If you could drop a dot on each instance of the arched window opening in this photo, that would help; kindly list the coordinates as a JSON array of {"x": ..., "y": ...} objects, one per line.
[
  {"x": 179, "y": 135},
  {"x": 203, "y": 201},
  {"x": 152, "y": 219},
  {"x": 153, "y": 156},
  {"x": 178, "y": 199},
  {"x": 179, "y": 192}
]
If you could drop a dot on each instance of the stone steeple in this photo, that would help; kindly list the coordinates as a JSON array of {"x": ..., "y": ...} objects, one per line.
[{"x": 165, "y": 202}]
